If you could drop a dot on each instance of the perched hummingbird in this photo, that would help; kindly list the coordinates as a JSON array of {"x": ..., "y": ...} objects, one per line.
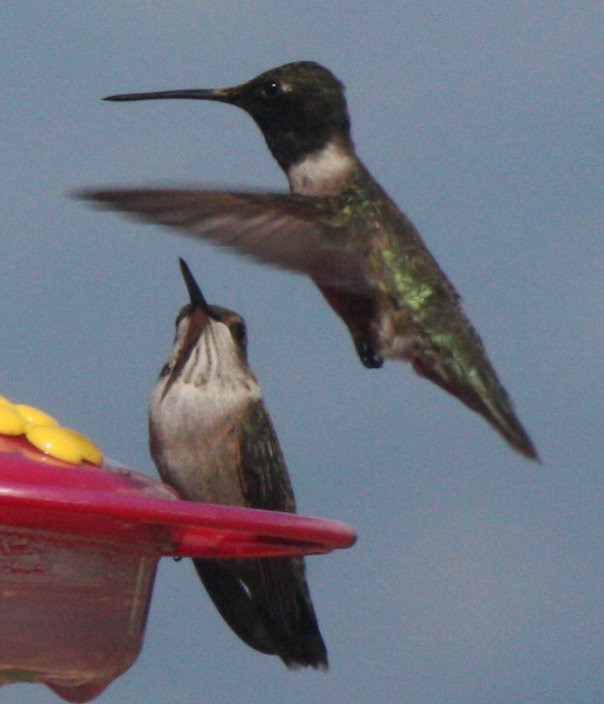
[
  {"x": 340, "y": 228},
  {"x": 212, "y": 440}
]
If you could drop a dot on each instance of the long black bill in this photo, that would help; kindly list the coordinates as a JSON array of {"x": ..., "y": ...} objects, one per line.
[
  {"x": 195, "y": 294},
  {"x": 219, "y": 94}
]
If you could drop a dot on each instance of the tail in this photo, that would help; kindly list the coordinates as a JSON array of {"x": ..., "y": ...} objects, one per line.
[
  {"x": 266, "y": 602},
  {"x": 459, "y": 364}
]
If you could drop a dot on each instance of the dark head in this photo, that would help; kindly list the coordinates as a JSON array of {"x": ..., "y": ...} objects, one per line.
[
  {"x": 218, "y": 329},
  {"x": 300, "y": 107}
]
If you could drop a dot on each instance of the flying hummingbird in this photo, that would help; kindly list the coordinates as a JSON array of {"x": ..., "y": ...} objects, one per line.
[
  {"x": 212, "y": 440},
  {"x": 340, "y": 228}
]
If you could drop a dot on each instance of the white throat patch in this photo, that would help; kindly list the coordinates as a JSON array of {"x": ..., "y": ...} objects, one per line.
[{"x": 321, "y": 173}]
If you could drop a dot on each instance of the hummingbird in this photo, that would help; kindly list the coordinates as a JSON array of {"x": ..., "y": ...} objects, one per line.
[
  {"x": 212, "y": 440},
  {"x": 339, "y": 227}
]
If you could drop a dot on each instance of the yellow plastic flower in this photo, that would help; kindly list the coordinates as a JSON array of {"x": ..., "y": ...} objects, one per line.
[{"x": 44, "y": 432}]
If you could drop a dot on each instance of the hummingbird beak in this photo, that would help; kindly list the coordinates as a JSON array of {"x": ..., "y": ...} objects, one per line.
[
  {"x": 199, "y": 318},
  {"x": 196, "y": 297},
  {"x": 221, "y": 95}
]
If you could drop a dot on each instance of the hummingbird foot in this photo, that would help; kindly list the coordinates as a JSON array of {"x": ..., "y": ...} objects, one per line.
[{"x": 368, "y": 356}]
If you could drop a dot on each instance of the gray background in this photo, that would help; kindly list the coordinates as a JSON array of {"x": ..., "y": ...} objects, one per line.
[{"x": 478, "y": 575}]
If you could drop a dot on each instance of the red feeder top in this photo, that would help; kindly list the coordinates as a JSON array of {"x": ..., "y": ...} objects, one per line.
[{"x": 114, "y": 503}]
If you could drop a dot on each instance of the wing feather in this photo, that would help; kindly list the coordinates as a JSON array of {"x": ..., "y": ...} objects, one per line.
[{"x": 286, "y": 231}]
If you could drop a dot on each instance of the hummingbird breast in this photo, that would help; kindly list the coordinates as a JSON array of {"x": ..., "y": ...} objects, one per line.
[{"x": 194, "y": 434}]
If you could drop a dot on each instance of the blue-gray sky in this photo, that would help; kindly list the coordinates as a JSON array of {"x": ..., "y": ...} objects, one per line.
[{"x": 478, "y": 575}]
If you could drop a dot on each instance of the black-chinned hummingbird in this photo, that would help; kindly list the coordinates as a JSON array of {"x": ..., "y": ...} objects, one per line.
[
  {"x": 212, "y": 440},
  {"x": 339, "y": 227}
]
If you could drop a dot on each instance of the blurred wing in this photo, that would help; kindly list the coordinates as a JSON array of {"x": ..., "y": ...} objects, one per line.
[{"x": 290, "y": 232}]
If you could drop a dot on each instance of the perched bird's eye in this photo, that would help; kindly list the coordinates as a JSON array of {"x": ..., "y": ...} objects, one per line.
[
  {"x": 179, "y": 317},
  {"x": 271, "y": 88},
  {"x": 239, "y": 332}
]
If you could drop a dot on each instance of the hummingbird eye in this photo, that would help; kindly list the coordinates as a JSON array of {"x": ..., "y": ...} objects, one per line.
[
  {"x": 272, "y": 88},
  {"x": 239, "y": 332}
]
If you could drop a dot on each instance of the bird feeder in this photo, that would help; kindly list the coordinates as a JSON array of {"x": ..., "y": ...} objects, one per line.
[{"x": 79, "y": 545}]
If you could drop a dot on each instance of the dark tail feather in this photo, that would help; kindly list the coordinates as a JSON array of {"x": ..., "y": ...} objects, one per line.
[
  {"x": 266, "y": 602},
  {"x": 485, "y": 396},
  {"x": 234, "y": 604}
]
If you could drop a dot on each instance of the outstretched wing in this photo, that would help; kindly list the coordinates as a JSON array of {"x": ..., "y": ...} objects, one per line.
[{"x": 287, "y": 231}]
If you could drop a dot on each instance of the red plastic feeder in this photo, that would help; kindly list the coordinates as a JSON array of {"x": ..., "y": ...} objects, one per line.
[{"x": 79, "y": 547}]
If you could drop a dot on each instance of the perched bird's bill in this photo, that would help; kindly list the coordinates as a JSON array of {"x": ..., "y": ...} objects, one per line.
[{"x": 196, "y": 297}]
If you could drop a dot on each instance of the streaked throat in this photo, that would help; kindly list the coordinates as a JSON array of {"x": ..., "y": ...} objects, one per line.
[{"x": 215, "y": 360}]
